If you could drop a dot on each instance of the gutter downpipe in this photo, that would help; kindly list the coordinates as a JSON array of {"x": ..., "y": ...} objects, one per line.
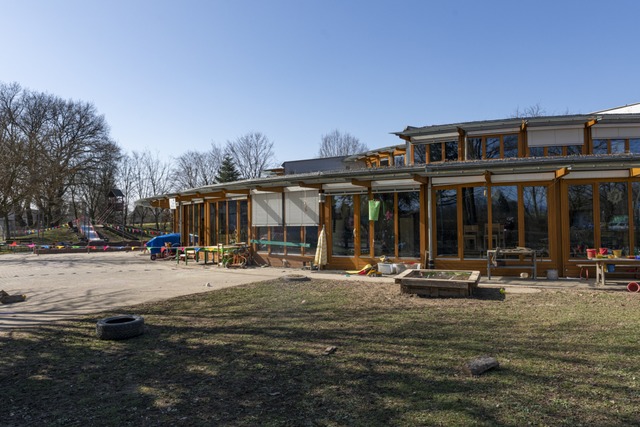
[
  {"x": 180, "y": 220},
  {"x": 431, "y": 264}
]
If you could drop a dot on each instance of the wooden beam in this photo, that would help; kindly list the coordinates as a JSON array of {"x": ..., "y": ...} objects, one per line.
[
  {"x": 562, "y": 172},
  {"x": 590, "y": 123},
  {"x": 462, "y": 132},
  {"x": 487, "y": 177},
  {"x": 304, "y": 185},
  {"x": 523, "y": 125},
  {"x": 421, "y": 179},
  {"x": 366, "y": 184},
  {"x": 271, "y": 189},
  {"x": 634, "y": 172}
]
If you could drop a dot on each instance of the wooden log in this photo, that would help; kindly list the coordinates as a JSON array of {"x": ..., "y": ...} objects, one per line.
[{"x": 481, "y": 364}]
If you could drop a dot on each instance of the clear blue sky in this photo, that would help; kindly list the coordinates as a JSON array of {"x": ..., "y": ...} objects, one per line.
[{"x": 177, "y": 75}]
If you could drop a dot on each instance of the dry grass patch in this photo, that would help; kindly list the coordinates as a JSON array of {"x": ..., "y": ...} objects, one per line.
[{"x": 255, "y": 355}]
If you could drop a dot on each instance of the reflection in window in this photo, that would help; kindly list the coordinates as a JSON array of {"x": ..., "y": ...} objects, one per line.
[
  {"x": 435, "y": 152},
  {"x": 419, "y": 154},
  {"x": 212, "y": 224},
  {"x": 617, "y": 146},
  {"x": 510, "y": 143},
  {"x": 636, "y": 216},
  {"x": 311, "y": 237},
  {"x": 493, "y": 148},
  {"x": 384, "y": 235},
  {"x": 451, "y": 150},
  {"x": 409, "y": 224},
  {"x": 600, "y": 146},
  {"x": 398, "y": 160},
  {"x": 614, "y": 215},
  {"x": 446, "y": 223},
  {"x": 232, "y": 207},
  {"x": 474, "y": 217},
  {"x": 554, "y": 151},
  {"x": 262, "y": 234},
  {"x": 504, "y": 212},
  {"x": 574, "y": 150},
  {"x": 342, "y": 225},
  {"x": 277, "y": 235},
  {"x": 474, "y": 148},
  {"x": 244, "y": 220},
  {"x": 222, "y": 223},
  {"x": 536, "y": 224},
  {"x": 536, "y": 151},
  {"x": 364, "y": 225},
  {"x": 634, "y": 145},
  {"x": 294, "y": 236},
  {"x": 580, "y": 219}
]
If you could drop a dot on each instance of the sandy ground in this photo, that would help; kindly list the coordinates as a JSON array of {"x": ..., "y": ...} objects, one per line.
[{"x": 62, "y": 286}]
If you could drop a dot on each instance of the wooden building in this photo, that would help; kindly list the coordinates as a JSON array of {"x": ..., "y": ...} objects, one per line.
[{"x": 445, "y": 196}]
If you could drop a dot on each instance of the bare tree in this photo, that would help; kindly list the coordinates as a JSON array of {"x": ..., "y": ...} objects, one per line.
[
  {"x": 197, "y": 169},
  {"x": 153, "y": 177},
  {"x": 252, "y": 153},
  {"x": 13, "y": 171},
  {"x": 535, "y": 110},
  {"x": 337, "y": 143},
  {"x": 125, "y": 180}
]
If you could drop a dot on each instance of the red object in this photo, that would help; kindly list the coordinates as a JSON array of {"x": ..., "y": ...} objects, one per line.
[
  {"x": 591, "y": 253},
  {"x": 14, "y": 244},
  {"x": 604, "y": 251},
  {"x": 633, "y": 287}
]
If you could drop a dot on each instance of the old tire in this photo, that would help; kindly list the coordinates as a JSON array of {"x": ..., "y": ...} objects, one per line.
[{"x": 120, "y": 327}]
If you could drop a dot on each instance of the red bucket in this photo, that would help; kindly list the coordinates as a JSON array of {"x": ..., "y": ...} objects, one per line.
[
  {"x": 604, "y": 251},
  {"x": 633, "y": 287},
  {"x": 591, "y": 253}
]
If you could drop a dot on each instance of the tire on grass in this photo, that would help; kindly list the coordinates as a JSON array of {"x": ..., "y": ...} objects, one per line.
[{"x": 120, "y": 327}]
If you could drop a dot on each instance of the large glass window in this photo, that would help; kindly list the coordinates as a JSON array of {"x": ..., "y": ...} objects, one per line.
[
  {"x": 222, "y": 223},
  {"x": 536, "y": 219},
  {"x": 574, "y": 150},
  {"x": 635, "y": 186},
  {"x": 435, "y": 152},
  {"x": 311, "y": 237},
  {"x": 364, "y": 225},
  {"x": 474, "y": 216},
  {"x": 617, "y": 146},
  {"x": 262, "y": 234},
  {"x": 536, "y": 151},
  {"x": 510, "y": 146},
  {"x": 232, "y": 209},
  {"x": 342, "y": 225},
  {"x": 451, "y": 150},
  {"x": 580, "y": 219},
  {"x": 294, "y": 235},
  {"x": 212, "y": 224},
  {"x": 504, "y": 213},
  {"x": 634, "y": 146},
  {"x": 419, "y": 154},
  {"x": 614, "y": 216},
  {"x": 409, "y": 224},
  {"x": 384, "y": 234},
  {"x": 277, "y": 236},
  {"x": 447, "y": 223},
  {"x": 244, "y": 220},
  {"x": 474, "y": 148},
  {"x": 493, "y": 148},
  {"x": 600, "y": 146}
]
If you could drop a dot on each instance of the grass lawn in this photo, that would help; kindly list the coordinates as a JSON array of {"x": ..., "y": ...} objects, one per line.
[{"x": 254, "y": 356}]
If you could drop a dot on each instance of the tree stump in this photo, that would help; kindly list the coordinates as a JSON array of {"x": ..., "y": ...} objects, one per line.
[{"x": 481, "y": 364}]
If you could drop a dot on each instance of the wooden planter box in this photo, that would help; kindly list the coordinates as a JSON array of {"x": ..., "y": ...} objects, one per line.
[{"x": 438, "y": 283}]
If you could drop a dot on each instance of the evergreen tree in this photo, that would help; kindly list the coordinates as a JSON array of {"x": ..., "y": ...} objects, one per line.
[{"x": 227, "y": 171}]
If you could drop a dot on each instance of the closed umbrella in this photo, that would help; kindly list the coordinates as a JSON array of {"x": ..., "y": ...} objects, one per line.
[{"x": 321, "y": 250}]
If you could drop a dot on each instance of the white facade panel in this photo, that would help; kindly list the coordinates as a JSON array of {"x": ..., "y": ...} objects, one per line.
[
  {"x": 266, "y": 209},
  {"x": 555, "y": 137},
  {"x": 615, "y": 132},
  {"x": 302, "y": 208}
]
